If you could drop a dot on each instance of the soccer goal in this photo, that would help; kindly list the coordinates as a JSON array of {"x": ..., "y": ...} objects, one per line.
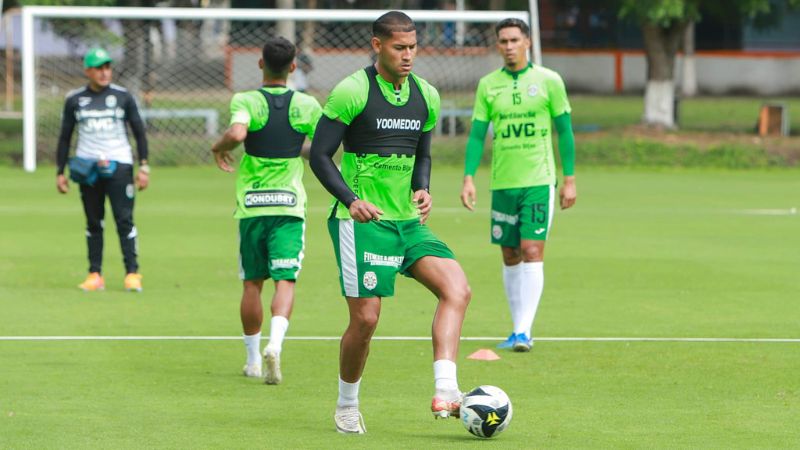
[{"x": 183, "y": 64}]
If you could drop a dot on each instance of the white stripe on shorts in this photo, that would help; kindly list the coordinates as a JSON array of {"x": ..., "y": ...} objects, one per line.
[
  {"x": 241, "y": 266},
  {"x": 551, "y": 209},
  {"x": 347, "y": 254},
  {"x": 302, "y": 252}
]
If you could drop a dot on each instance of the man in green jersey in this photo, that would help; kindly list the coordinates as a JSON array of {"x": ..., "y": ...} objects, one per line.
[
  {"x": 520, "y": 100},
  {"x": 270, "y": 198},
  {"x": 384, "y": 115}
]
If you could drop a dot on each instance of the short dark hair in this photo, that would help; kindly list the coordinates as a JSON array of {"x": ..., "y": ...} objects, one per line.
[
  {"x": 509, "y": 23},
  {"x": 278, "y": 54},
  {"x": 392, "y": 22}
]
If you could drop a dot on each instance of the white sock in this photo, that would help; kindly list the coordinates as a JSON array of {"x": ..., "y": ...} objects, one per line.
[
  {"x": 444, "y": 376},
  {"x": 253, "y": 343},
  {"x": 277, "y": 330},
  {"x": 511, "y": 281},
  {"x": 532, "y": 284},
  {"x": 348, "y": 393}
]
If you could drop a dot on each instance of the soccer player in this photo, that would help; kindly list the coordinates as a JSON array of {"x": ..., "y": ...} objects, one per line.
[
  {"x": 101, "y": 111},
  {"x": 520, "y": 100},
  {"x": 384, "y": 114},
  {"x": 273, "y": 122}
]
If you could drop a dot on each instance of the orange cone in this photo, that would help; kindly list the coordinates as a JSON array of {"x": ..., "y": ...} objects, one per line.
[{"x": 484, "y": 354}]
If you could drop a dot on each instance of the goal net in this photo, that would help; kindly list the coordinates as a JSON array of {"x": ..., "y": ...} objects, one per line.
[{"x": 184, "y": 64}]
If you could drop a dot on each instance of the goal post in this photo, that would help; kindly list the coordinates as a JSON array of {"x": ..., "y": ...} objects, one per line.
[{"x": 183, "y": 64}]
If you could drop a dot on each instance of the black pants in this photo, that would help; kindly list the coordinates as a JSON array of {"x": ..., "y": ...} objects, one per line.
[{"x": 120, "y": 191}]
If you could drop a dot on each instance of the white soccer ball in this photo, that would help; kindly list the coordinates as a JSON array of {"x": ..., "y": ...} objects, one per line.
[{"x": 486, "y": 411}]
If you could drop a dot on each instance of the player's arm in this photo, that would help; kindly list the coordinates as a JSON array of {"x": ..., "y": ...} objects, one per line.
[
  {"x": 310, "y": 111},
  {"x": 566, "y": 148},
  {"x": 62, "y": 150},
  {"x": 233, "y": 136},
  {"x": 472, "y": 160},
  {"x": 329, "y": 135},
  {"x": 421, "y": 177},
  {"x": 138, "y": 129}
]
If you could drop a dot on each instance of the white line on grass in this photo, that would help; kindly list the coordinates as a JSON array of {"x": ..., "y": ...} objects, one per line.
[
  {"x": 398, "y": 338},
  {"x": 769, "y": 212}
]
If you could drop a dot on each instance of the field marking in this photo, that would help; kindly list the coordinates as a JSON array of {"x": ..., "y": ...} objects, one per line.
[
  {"x": 768, "y": 212},
  {"x": 399, "y": 338}
]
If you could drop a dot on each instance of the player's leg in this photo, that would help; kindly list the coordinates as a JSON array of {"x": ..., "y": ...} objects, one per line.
[
  {"x": 536, "y": 218},
  {"x": 353, "y": 352},
  {"x": 281, "y": 312},
  {"x": 512, "y": 274},
  {"x": 445, "y": 279},
  {"x": 505, "y": 233},
  {"x": 251, "y": 313},
  {"x": 93, "y": 199},
  {"x": 432, "y": 263},
  {"x": 121, "y": 193},
  {"x": 285, "y": 244},
  {"x": 368, "y": 256},
  {"x": 252, "y": 270}
]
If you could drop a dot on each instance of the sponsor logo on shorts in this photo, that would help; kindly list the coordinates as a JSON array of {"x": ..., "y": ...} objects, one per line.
[
  {"x": 497, "y": 231},
  {"x": 381, "y": 260},
  {"x": 129, "y": 190},
  {"x": 539, "y": 231},
  {"x": 273, "y": 197},
  {"x": 370, "y": 280},
  {"x": 284, "y": 263},
  {"x": 497, "y": 216}
]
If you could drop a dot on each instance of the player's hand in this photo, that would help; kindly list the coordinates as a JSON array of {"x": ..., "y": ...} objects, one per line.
[
  {"x": 568, "y": 192},
  {"x": 424, "y": 202},
  {"x": 468, "y": 193},
  {"x": 142, "y": 180},
  {"x": 363, "y": 211},
  {"x": 224, "y": 161},
  {"x": 62, "y": 184}
]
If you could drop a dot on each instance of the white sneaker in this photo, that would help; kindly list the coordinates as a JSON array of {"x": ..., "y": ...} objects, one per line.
[
  {"x": 272, "y": 360},
  {"x": 252, "y": 370},
  {"x": 446, "y": 404},
  {"x": 349, "y": 420}
]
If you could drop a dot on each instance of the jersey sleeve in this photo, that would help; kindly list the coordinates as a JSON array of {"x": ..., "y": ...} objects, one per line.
[
  {"x": 240, "y": 109},
  {"x": 304, "y": 114},
  {"x": 348, "y": 99},
  {"x": 434, "y": 104},
  {"x": 559, "y": 104},
  {"x": 480, "y": 111}
]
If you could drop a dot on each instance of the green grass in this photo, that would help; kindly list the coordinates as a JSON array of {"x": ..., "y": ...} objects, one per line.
[{"x": 644, "y": 253}]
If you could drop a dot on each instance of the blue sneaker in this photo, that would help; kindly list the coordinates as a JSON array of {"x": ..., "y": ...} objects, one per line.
[
  {"x": 522, "y": 343},
  {"x": 508, "y": 343}
]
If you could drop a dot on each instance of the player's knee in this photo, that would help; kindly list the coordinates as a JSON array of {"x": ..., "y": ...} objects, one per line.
[
  {"x": 366, "y": 323},
  {"x": 94, "y": 228},
  {"x": 459, "y": 294},
  {"x": 532, "y": 253}
]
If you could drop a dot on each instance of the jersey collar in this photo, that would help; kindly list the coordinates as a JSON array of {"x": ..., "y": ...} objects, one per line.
[{"x": 516, "y": 74}]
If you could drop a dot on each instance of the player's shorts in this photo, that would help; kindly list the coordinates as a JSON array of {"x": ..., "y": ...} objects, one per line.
[
  {"x": 522, "y": 213},
  {"x": 271, "y": 247},
  {"x": 369, "y": 255}
]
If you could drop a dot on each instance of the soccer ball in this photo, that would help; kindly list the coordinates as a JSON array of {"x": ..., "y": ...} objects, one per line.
[{"x": 486, "y": 411}]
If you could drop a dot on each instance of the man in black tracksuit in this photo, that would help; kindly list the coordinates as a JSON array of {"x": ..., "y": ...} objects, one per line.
[{"x": 100, "y": 110}]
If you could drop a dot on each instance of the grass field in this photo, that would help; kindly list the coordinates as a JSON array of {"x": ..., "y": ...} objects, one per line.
[{"x": 644, "y": 254}]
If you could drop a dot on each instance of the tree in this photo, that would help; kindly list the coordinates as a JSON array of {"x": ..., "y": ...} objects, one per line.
[{"x": 664, "y": 24}]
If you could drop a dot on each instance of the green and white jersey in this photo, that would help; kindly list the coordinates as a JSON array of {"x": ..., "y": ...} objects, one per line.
[
  {"x": 520, "y": 107},
  {"x": 384, "y": 127},
  {"x": 270, "y": 176}
]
